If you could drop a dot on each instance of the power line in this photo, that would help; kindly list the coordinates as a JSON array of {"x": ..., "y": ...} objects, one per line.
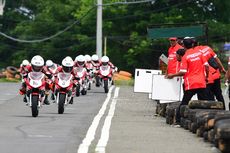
[
  {"x": 127, "y": 2},
  {"x": 148, "y": 12},
  {"x": 50, "y": 37},
  {"x": 44, "y": 49}
]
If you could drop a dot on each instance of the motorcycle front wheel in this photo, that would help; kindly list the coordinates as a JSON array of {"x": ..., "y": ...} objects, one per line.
[
  {"x": 61, "y": 103},
  {"x": 106, "y": 86},
  {"x": 97, "y": 81},
  {"x": 34, "y": 107},
  {"x": 78, "y": 90}
]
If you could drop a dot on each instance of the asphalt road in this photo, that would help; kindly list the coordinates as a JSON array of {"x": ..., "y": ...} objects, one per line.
[{"x": 117, "y": 122}]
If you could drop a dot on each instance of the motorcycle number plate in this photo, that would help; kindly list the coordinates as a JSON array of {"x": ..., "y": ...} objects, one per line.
[{"x": 35, "y": 83}]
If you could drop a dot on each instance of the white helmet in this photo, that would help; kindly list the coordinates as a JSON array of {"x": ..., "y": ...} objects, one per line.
[
  {"x": 104, "y": 60},
  {"x": 95, "y": 58},
  {"x": 80, "y": 60},
  {"x": 75, "y": 60},
  {"x": 67, "y": 64},
  {"x": 25, "y": 62},
  {"x": 87, "y": 58},
  {"x": 49, "y": 63},
  {"x": 37, "y": 63}
]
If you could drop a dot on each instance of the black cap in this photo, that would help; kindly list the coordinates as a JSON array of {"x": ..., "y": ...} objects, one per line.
[
  {"x": 181, "y": 51},
  {"x": 188, "y": 43}
]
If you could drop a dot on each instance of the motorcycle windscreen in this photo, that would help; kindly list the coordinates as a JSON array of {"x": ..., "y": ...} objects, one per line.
[
  {"x": 105, "y": 70},
  {"x": 35, "y": 79},
  {"x": 36, "y": 75},
  {"x": 64, "y": 76}
]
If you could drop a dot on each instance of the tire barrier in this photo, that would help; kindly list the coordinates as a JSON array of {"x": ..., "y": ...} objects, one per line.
[
  {"x": 10, "y": 72},
  {"x": 122, "y": 75},
  {"x": 206, "y": 119},
  {"x": 125, "y": 73}
]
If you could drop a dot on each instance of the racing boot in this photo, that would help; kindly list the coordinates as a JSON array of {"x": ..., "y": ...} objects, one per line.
[
  {"x": 25, "y": 99},
  {"x": 46, "y": 101},
  {"x": 22, "y": 91},
  {"x": 71, "y": 100}
]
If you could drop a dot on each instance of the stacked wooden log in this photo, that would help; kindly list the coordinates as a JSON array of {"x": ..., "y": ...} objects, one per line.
[{"x": 206, "y": 119}]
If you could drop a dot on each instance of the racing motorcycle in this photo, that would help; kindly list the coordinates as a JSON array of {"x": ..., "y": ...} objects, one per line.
[
  {"x": 63, "y": 90},
  {"x": 35, "y": 91},
  {"x": 81, "y": 81},
  {"x": 105, "y": 74}
]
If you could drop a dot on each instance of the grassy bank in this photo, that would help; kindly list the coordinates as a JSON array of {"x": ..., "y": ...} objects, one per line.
[
  {"x": 124, "y": 82},
  {"x": 9, "y": 80}
]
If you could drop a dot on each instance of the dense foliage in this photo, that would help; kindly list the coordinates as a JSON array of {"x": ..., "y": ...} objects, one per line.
[{"x": 125, "y": 27}]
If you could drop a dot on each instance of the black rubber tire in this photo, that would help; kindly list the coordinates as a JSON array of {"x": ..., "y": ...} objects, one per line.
[
  {"x": 61, "y": 103},
  {"x": 97, "y": 81},
  {"x": 106, "y": 86},
  {"x": 78, "y": 90},
  {"x": 205, "y": 135},
  {"x": 11, "y": 69},
  {"x": 193, "y": 127},
  {"x": 34, "y": 107},
  {"x": 89, "y": 87},
  {"x": 84, "y": 92}
]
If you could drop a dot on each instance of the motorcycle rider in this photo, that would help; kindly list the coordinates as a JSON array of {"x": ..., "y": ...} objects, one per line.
[
  {"x": 105, "y": 61},
  {"x": 95, "y": 61},
  {"x": 67, "y": 67},
  {"x": 89, "y": 68},
  {"x": 50, "y": 70},
  {"x": 80, "y": 68},
  {"x": 23, "y": 72},
  {"x": 88, "y": 63},
  {"x": 37, "y": 65},
  {"x": 80, "y": 61}
]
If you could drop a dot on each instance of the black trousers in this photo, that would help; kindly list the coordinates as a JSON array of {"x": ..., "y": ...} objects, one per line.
[
  {"x": 188, "y": 94},
  {"x": 214, "y": 90}
]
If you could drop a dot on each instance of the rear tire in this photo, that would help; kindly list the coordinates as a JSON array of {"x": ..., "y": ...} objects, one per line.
[
  {"x": 61, "y": 103},
  {"x": 34, "y": 107}
]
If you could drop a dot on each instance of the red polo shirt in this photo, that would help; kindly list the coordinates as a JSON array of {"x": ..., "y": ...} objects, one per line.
[
  {"x": 193, "y": 64},
  {"x": 209, "y": 53},
  {"x": 172, "y": 61}
]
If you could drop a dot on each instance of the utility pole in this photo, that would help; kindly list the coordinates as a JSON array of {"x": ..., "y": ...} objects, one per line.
[
  {"x": 99, "y": 19},
  {"x": 99, "y": 28},
  {"x": 2, "y": 5},
  {"x": 105, "y": 45}
]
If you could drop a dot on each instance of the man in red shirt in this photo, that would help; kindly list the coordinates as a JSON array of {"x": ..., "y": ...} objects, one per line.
[
  {"x": 193, "y": 67},
  {"x": 173, "y": 64},
  {"x": 213, "y": 85}
]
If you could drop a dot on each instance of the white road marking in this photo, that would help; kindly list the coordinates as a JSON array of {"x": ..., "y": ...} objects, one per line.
[
  {"x": 70, "y": 108},
  {"x": 84, "y": 146},
  {"x": 40, "y": 136},
  {"x": 3, "y": 99},
  {"x": 100, "y": 148}
]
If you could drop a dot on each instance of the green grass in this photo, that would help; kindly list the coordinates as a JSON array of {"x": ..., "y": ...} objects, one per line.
[
  {"x": 124, "y": 82},
  {"x": 9, "y": 80}
]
